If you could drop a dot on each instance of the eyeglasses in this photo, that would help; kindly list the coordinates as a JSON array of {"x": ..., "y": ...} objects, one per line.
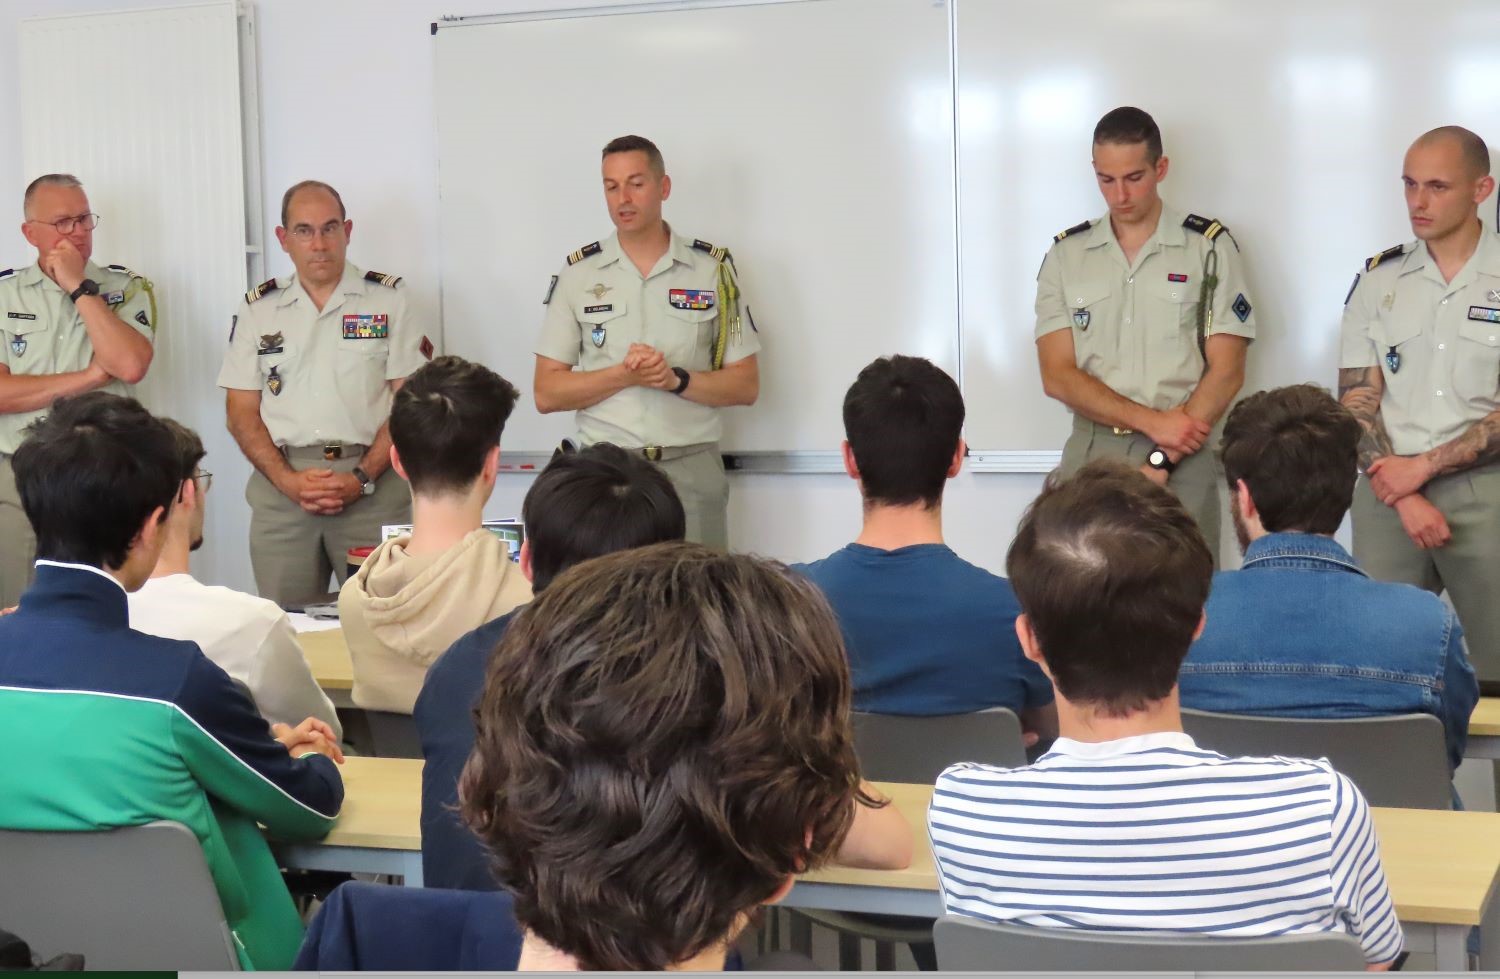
[
  {"x": 306, "y": 232},
  {"x": 205, "y": 481},
  {"x": 66, "y": 226}
]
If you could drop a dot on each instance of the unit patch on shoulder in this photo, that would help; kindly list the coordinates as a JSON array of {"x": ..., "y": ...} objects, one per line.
[
  {"x": 1350, "y": 294},
  {"x": 1391, "y": 252},
  {"x": 263, "y": 289},
  {"x": 585, "y": 252},
  {"x": 1241, "y": 307},
  {"x": 425, "y": 348},
  {"x": 551, "y": 288},
  {"x": 383, "y": 278},
  {"x": 1081, "y": 226}
]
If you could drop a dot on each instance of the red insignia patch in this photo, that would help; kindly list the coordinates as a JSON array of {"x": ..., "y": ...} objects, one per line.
[{"x": 425, "y": 347}]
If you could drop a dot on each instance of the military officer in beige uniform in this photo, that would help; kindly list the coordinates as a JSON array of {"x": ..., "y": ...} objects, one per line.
[
  {"x": 1420, "y": 368},
  {"x": 313, "y": 362},
  {"x": 646, "y": 336},
  {"x": 1142, "y": 324},
  {"x": 69, "y": 326}
]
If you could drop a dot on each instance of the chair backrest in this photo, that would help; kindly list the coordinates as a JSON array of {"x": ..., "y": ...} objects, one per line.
[
  {"x": 393, "y": 735},
  {"x": 139, "y": 897},
  {"x": 1399, "y": 761},
  {"x": 894, "y": 748},
  {"x": 970, "y": 945}
]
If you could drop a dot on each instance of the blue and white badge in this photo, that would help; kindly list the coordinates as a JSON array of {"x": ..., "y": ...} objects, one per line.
[
  {"x": 1393, "y": 360},
  {"x": 597, "y": 335},
  {"x": 114, "y": 298},
  {"x": 1081, "y": 318},
  {"x": 18, "y": 346}
]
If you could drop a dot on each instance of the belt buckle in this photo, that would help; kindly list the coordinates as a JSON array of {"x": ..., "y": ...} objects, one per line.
[
  {"x": 1123, "y": 431},
  {"x": 333, "y": 450},
  {"x": 652, "y": 453}
]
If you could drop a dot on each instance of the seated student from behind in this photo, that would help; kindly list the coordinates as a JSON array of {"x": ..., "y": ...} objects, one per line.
[
  {"x": 417, "y": 593},
  {"x": 664, "y": 744},
  {"x": 105, "y": 726},
  {"x": 250, "y": 637},
  {"x": 1126, "y": 824},
  {"x": 597, "y": 501},
  {"x": 928, "y": 632},
  {"x": 1343, "y": 644}
]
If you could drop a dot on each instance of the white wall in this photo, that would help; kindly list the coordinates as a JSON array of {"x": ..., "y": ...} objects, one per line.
[{"x": 346, "y": 96}]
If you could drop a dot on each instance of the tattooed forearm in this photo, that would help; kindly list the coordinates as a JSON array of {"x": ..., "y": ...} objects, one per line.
[
  {"x": 1360, "y": 389},
  {"x": 1476, "y": 447}
]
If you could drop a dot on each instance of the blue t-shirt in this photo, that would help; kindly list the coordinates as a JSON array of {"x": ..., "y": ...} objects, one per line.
[
  {"x": 452, "y": 856},
  {"x": 928, "y": 632}
]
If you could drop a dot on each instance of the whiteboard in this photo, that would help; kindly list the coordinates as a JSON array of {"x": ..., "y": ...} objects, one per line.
[
  {"x": 1287, "y": 120},
  {"x": 813, "y": 138}
]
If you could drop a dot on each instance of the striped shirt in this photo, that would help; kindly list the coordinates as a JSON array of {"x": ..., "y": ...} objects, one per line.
[{"x": 1154, "y": 834}]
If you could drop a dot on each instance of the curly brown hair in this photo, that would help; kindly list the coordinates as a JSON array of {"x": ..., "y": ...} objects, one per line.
[{"x": 662, "y": 741}]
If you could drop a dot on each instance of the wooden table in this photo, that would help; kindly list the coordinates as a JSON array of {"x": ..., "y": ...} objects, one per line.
[
  {"x": 1442, "y": 867},
  {"x": 1484, "y": 729},
  {"x": 328, "y": 658}
]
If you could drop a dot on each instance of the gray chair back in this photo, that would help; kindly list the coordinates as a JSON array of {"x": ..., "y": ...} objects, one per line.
[
  {"x": 894, "y": 748},
  {"x": 139, "y": 897},
  {"x": 393, "y": 735},
  {"x": 971, "y": 945},
  {"x": 1398, "y": 761}
]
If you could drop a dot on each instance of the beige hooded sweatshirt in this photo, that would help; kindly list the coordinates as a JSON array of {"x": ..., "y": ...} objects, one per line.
[{"x": 400, "y": 613}]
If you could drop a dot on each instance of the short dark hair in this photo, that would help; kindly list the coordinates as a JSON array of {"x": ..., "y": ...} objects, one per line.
[
  {"x": 292, "y": 191},
  {"x": 90, "y": 473},
  {"x": 445, "y": 419},
  {"x": 1475, "y": 153},
  {"x": 596, "y": 501},
  {"x": 189, "y": 447},
  {"x": 663, "y": 739},
  {"x": 1127, "y": 126},
  {"x": 636, "y": 144},
  {"x": 903, "y": 417},
  {"x": 1112, "y": 574},
  {"x": 1297, "y": 449}
]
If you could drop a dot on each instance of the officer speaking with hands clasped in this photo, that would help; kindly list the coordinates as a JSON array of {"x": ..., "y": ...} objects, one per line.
[
  {"x": 646, "y": 336},
  {"x": 69, "y": 326},
  {"x": 1143, "y": 321},
  {"x": 313, "y": 362},
  {"x": 1420, "y": 368}
]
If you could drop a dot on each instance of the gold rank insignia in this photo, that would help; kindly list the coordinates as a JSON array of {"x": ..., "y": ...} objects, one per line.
[
  {"x": 1207, "y": 227},
  {"x": 1389, "y": 253},
  {"x": 585, "y": 252},
  {"x": 383, "y": 278},
  {"x": 1080, "y": 226},
  {"x": 264, "y": 288}
]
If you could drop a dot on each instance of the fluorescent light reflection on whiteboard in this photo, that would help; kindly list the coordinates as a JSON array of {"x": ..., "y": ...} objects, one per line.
[{"x": 1057, "y": 103}]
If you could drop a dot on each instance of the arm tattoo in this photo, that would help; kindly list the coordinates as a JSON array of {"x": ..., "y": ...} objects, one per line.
[
  {"x": 1477, "y": 446},
  {"x": 1360, "y": 389}
]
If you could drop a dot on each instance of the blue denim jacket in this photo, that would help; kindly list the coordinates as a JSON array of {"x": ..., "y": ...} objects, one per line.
[{"x": 1301, "y": 631}]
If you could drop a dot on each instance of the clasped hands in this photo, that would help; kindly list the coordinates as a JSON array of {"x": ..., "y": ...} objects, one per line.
[
  {"x": 1395, "y": 481},
  {"x": 647, "y": 367},
  {"x": 1177, "y": 433},
  {"x": 320, "y": 491}
]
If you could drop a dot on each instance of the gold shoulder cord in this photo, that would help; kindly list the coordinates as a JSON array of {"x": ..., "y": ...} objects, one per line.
[
  {"x": 144, "y": 283},
  {"x": 1206, "y": 298},
  {"x": 729, "y": 312}
]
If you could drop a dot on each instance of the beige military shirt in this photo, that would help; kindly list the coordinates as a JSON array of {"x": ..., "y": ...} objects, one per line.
[
  {"x": 1437, "y": 343},
  {"x": 44, "y": 334},
  {"x": 1135, "y": 327},
  {"x": 322, "y": 376},
  {"x": 599, "y": 304}
]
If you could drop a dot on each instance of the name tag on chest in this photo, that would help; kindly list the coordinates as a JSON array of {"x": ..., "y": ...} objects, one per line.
[
  {"x": 691, "y": 298},
  {"x": 366, "y": 326}
]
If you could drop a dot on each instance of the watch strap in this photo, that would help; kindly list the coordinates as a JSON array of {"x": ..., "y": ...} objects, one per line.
[
  {"x": 683, "y": 377},
  {"x": 88, "y": 287}
]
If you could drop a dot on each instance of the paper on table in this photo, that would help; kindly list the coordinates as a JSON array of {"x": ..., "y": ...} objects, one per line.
[{"x": 303, "y": 622}]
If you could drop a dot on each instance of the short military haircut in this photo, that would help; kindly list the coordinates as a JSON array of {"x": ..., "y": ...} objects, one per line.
[
  {"x": 294, "y": 189},
  {"x": 596, "y": 501},
  {"x": 189, "y": 447},
  {"x": 1112, "y": 574},
  {"x": 903, "y": 418},
  {"x": 637, "y": 144},
  {"x": 663, "y": 739},
  {"x": 46, "y": 180},
  {"x": 90, "y": 474},
  {"x": 1297, "y": 449},
  {"x": 445, "y": 419},
  {"x": 1475, "y": 153},
  {"x": 1128, "y": 126}
]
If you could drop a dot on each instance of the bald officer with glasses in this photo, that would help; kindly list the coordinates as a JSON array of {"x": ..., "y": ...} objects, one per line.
[
  {"x": 313, "y": 362},
  {"x": 69, "y": 326}
]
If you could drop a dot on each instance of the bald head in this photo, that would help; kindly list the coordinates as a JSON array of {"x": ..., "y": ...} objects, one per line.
[{"x": 1476, "y": 155}]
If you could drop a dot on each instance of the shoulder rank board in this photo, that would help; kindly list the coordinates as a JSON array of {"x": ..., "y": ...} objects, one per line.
[
  {"x": 264, "y": 288},
  {"x": 1207, "y": 227},
  {"x": 1390, "y": 252},
  {"x": 126, "y": 271},
  {"x": 383, "y": 278},
  {"x": 718, "y": 253},
  {"x": 1077, "y": 228},
  {"x": 585, "y": 252}
]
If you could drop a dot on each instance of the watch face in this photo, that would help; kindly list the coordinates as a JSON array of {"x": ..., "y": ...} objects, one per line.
[{"x": 1157, "y": 458}]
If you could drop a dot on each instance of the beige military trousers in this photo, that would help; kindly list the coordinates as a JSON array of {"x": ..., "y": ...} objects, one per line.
[
  {"x": 293, "y": 552},
  {"x": 1196, "y": 480},
  {"x": 1468, "y": 566},
  {"x": 17, "y": 542},
  {"x": 697, "y": 473}
]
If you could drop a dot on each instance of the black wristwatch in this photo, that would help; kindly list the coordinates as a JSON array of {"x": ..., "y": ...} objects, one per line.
[
  {"x": 1157, "y": 458},
  {"x": 682, "y": 380},
  {"x": 366, "y": 484},
  {"x": 88, "y": 287}
]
